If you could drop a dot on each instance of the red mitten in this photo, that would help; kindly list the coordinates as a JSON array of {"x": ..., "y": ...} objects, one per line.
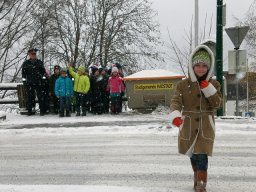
[
  {"x": 204, "y": 84},
  {"x": 177, "y": 121}
]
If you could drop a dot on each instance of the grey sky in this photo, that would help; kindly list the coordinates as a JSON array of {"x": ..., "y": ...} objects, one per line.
[{"x": 177, "y": 14}]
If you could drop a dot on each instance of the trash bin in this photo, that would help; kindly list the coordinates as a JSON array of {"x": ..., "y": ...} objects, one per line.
[{"x": 147, "y": 89}]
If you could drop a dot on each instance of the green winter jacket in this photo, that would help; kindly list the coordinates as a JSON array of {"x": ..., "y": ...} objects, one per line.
[{"x": 82, "y": 82}]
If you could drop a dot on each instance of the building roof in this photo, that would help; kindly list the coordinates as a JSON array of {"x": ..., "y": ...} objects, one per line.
[{"x": 156, "y": 74}]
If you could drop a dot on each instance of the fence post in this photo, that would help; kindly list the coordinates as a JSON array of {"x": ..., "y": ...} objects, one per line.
[{"x": 22, "y": 96}]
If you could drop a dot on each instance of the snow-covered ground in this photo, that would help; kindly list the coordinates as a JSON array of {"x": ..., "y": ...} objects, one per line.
[
  {"x": 66, "y": 188},
  {"x": 130, "y": 152}
]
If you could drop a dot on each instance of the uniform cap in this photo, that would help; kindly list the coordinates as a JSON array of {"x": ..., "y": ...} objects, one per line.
[{"x": 32, "y": 50}]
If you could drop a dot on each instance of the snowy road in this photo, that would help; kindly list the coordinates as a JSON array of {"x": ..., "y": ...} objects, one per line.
[{"x": 140, "y": 158}]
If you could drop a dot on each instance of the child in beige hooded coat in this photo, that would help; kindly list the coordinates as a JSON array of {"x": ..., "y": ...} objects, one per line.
[{"x": 193, "y": 107}]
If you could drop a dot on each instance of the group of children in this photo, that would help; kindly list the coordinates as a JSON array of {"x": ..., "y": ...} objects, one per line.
[{"x": 90, "y": 93}]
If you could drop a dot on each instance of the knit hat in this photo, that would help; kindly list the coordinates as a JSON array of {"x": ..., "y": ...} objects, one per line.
[
  {"x": 56, "y": 67},
  {"x": 114, "y": 69},
  {"x": 201, "y": 56},
  {"x": 63, "y": 70},
  {"x": 100, "y": 68},
  {"x": 94, "y": 69},
  {"x": 118, "y": 65},
  {"x": 81, "y": 69}
]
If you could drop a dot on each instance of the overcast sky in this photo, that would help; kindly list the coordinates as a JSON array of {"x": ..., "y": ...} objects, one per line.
[{"x": 177, "y": 14}]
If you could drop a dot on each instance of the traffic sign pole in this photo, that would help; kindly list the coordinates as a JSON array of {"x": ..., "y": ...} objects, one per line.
[
  {"x": 237, "y": 83},
  {"x": 237, "y": 35}
]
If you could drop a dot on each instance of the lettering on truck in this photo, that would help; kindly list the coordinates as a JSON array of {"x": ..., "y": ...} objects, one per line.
[{"x": 155, "y": 86}]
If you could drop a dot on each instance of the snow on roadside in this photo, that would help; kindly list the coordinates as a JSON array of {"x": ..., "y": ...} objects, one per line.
[
  {"x": 2, "y": 113},
  {"x": 17, "y": 119},
  {"x": 141, "y": 129},
  {"x": 127, "y": 122}
]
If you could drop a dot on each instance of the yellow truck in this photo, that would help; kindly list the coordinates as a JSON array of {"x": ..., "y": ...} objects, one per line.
[{"x": 147, "y": 89}]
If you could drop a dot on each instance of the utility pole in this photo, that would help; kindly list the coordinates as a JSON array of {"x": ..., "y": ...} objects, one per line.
[
  {"x": 219, "y": 49},
  {"x": 196, "y": 22}
]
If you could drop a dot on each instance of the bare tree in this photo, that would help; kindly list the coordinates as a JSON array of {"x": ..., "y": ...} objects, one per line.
[
  {"x": 128, "y": 33},
  {"x": 179, "y": 56},
  {"x": 250, "y": 20},
  {"x": 78, "y": 31},
  {"x": 107, "y": 30},
  {"x": 70, "y": 18},
  {"x": 43, "y": 26},
  {"x": 14, "y": 25}
]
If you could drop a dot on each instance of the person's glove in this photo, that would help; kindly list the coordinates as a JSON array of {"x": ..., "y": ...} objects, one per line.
[
  {"x": 204, "y": 84},
  {"x": 177, "y": 121},
  {"x": 24, "y": 81}
]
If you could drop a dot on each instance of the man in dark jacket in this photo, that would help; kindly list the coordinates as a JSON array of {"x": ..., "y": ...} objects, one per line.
[
  {"x": 32, "y": 75},
  {"x": 105, "y": 93},
  {"x": 52, "y": 80}
]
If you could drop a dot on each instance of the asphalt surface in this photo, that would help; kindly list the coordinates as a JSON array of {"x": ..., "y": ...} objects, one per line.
[{"x": 145, "y": 160}]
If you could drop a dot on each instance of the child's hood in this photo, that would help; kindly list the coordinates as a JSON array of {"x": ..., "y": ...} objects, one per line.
[
  {"x": 211, "y": 68},
  {"x": 115, "y": 76},
  {"x": 81, "y": 69}
]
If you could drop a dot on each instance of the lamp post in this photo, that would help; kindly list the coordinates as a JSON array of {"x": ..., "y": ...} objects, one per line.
[
  {"x": 219, "y": 48},
  {"x": 196, "y": 22}
]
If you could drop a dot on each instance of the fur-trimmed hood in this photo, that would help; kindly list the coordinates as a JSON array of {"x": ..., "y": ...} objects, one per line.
[{"x": 190, "y": 67}]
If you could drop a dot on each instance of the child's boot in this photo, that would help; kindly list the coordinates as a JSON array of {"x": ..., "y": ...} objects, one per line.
[
  {"x": 195, "y": 175},
  {"x": 61, "y": 113},
  {"x": 67, "y": 113},
  {"x": 84, "y": 112},
  {"x": 201, "y": 181}
]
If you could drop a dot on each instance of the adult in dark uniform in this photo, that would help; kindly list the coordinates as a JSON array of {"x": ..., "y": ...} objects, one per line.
[{"x": 32, "y": 75}]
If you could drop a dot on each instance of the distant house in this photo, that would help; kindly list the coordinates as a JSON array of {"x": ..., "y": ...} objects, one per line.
[{"x": 232, "y": 82}]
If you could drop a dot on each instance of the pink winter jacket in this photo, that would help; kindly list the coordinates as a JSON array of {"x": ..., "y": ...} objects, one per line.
[{"x": 115, "y": 84}]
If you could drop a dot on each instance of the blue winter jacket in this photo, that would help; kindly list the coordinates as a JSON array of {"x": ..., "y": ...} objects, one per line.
[{"x": 63, "y": 87}]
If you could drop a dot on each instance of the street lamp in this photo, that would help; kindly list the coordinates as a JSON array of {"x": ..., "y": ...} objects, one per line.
[
  {"x": 196, "y": 22},
  {"x": 219, "y": 48}
]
